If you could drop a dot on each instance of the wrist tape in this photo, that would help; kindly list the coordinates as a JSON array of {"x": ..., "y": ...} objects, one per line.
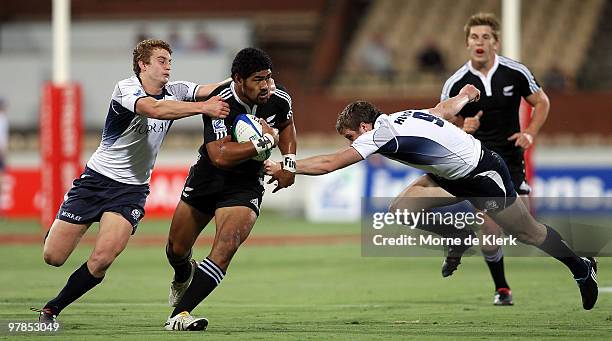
[{"x": 289, "y": 163}]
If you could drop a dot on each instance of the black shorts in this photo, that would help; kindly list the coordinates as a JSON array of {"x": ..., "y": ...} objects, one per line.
[
  {"x": 488, "y": 187},
  {"x": 92, "y": 194},
  {"x": 207, "y": 191}
]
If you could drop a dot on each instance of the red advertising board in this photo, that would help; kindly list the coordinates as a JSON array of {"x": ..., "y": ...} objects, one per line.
[{"x": 22, "y": 190}]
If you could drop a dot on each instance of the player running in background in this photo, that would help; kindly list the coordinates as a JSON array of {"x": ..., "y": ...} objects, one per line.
[
  {"x": 454, "y": 161},
  {"x": 494, "y": 120},
  {"x": 115, "y": 183},
  {"x": 227, "y": 185}
]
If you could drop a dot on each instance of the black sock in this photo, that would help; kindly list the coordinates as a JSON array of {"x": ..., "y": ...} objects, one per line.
[
  {"x": 555, "y": 246},
  {"x": 206, "y": 278},
  {"x": 495, "y": 262},
  {"x": 181, "y": 265},
  {"x": 80, "y": 282}
]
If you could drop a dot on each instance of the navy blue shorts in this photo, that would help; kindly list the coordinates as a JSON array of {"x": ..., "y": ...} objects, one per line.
[
  {"x": 92, "y": 194},
  {"x": 488, "y": 187}
]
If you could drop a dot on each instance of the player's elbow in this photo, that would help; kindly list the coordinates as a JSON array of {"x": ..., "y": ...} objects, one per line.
[
  {"x": 220, "y": 161},
  {"x": 327, "y": 168},
  {"x": 545, "y": 104}
]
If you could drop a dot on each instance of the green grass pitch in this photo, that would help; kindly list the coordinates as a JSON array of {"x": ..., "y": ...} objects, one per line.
[{"x": 314, "y": 290}]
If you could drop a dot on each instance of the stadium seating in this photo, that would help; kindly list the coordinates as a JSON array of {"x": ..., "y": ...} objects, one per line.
[{"x": 408, "y": 25}]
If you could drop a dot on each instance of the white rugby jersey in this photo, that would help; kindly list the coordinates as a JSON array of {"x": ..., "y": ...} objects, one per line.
[
  {"x": 130, "y": 142},
  {"x": 419, "y": 139}
]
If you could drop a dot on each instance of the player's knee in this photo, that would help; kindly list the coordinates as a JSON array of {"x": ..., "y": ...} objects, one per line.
[{"x": 53, "y": 259}]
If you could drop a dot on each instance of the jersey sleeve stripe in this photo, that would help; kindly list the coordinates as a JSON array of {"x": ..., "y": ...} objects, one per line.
[
  {"x": 448, "y": 85},
  {"x": 284, "y": 98},
  {"x": 224, "y": 92},
  {"x": 533, "y": 85},
  {"x": 525, "y": 71},
  {"x": 283, "y": 95}
]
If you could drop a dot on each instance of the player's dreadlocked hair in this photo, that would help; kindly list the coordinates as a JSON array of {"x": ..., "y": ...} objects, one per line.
[
  {"x": 250, "y": 60},
  {"x": 144, "y": 50},
  {"x": 482, "y": 19},
  {"x": 355, "y": 113}
]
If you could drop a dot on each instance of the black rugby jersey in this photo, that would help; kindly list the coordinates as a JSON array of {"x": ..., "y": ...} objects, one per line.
[
  {"x": 276, "y": 111},
  {"x": 500, "y": 98}
]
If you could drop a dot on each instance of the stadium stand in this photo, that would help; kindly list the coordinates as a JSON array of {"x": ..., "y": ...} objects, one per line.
[
  {"x": 408, "y": 25},
  {"x": 596, "y": 74},
  {"x": 316, "y": 44}
]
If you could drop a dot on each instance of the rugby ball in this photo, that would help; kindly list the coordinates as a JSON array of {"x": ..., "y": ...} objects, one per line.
[{"x": 247, "y": 128}]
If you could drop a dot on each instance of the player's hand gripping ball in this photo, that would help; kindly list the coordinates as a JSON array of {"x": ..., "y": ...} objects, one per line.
[{"x": 247, "y": 128}]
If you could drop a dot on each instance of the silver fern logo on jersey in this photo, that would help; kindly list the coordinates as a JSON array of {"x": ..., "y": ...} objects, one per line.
[{"x": 508, "y": 90}]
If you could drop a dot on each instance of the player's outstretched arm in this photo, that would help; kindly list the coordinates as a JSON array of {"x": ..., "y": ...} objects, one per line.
[
  {"x": 172, "y": 110},
  {"x": 321, "y": 164},
  {"x": 225, "y": 153},
  {"x": 447, "y": 109}
]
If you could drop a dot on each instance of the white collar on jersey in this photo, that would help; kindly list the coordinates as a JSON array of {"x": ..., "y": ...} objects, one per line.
[
  {"x": 248, "y": 109},
  {"x": 378, "y": 121},
  {"x": 486, "y": 80}
]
